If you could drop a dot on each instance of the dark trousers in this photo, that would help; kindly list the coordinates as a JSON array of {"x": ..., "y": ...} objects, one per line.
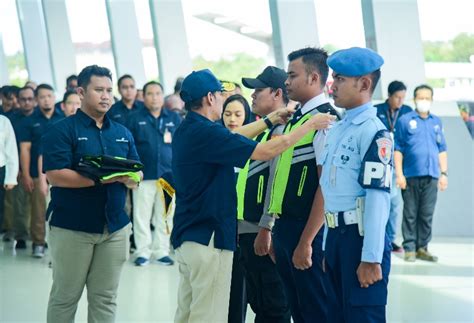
[
  {"x": 2, "y": 194},
  {"x": 419, "y": 201},
  {"x": 238, "y": 297},
  {"x": 307, "y": 290},
  {"x": 342, "y": 258},
  {"x": 265, "y": 291}
]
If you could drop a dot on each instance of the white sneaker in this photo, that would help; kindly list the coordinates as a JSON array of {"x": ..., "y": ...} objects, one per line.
[{"x": 38, "y": 251}]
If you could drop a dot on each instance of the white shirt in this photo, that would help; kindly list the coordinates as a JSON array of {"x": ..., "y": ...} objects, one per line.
[
  {"x": 8, "y": 151},
  {"x": 320, "y": 138}
]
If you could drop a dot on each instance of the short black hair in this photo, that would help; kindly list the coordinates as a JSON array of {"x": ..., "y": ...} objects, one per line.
[
  {"x": 71, "y": 78},
  {"x": 285, "y": 97},
  {"x": 84, "y": 77},
  {"x": 67, "y": 95},
  {"x": 375, "y": 77},
  {"x": 25, "y": 88},
  {"x": 43, "y": 86},
  {"x": 151, "y": 83},
  {"x": 195, "y": 104},
  {"x": 178, "y": 84},
  {"x": 421, "y": 87},
  {"x": 9, "y": 91},
  {"x": 314, "y": 59},
  {"x": 396, "y": 86},
  {"x": 122, "y": 78}
]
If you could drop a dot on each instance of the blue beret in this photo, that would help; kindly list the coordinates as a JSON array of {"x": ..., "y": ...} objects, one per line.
[
  {"x": 198, "y": 84},
  {"x": 355, "y": 61}
]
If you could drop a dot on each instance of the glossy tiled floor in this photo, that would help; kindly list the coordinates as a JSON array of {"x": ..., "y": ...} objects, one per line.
[{"x": 419, "y": 292}]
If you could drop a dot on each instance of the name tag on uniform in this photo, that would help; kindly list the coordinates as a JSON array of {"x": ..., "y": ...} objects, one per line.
[
  {"x": 167, "y": 137},
  {"x": 121, "y": 140}
]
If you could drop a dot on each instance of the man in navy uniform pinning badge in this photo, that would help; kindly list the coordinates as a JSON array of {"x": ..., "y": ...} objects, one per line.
[{"x": 356, "y": 176}]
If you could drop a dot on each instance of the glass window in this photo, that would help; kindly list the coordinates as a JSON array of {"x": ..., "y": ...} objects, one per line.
[{"x": 12, "y": 43}]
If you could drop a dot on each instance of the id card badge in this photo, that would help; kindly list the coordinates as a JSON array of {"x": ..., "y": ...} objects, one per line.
[
  {"x": 167, "y": 137},
  {"x": 392, "y": 135}
]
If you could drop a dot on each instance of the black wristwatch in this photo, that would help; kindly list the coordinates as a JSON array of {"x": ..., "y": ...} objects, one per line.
[
  {"x": 267, "y": 121},
  {"x": 444, "y": 173}
]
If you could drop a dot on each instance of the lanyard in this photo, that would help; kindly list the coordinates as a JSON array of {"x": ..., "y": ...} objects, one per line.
[{"x": 391, "y": 123}]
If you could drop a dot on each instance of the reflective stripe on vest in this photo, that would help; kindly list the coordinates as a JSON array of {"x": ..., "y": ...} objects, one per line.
[
  {"x": 242, "y": 183},
  {"x": 284, "y": 165}
]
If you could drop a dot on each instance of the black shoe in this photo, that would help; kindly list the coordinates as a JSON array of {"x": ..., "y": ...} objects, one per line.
[
  {"x": 396, "y": 248},
  {"x": 20, "y": 244}
]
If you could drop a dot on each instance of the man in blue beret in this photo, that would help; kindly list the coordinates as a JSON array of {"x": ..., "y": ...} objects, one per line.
[
  {"x": 356, "y": 176},
  {"x": 205, "y": 222}
]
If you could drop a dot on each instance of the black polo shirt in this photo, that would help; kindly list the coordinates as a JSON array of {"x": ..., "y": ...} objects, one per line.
[
  {"x": 31, "y": 129},
  {"x": 204, "y": 156},
  {"x": 87, "y": 209},
  {"x": 120, "y": 113},
  {"x": 153, "y": 138}
]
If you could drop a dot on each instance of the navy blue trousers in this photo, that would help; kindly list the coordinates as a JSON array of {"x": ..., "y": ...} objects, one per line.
[
  {"x": 342, "y": 255},
  {"x": 308, "y": 290}
]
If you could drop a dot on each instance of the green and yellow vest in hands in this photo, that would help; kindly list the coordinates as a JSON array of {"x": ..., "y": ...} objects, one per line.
[
  {"x": 252, "y": 185},
  {"x": 296, "y": 176}
]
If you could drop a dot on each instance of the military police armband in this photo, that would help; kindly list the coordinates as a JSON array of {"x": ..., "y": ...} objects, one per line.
[{"x": 376, "y": 168}]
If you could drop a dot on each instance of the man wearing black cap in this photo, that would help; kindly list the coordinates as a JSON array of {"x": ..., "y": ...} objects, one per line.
[
  {"x": 265, "y": 291},
  {"x": 204, "y": 156},
  {"x": 356, "y": 173}
]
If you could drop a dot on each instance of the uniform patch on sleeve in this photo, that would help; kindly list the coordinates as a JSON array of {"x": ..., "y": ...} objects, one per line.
[
  {"x": 376, "y": 168},
  {"x": 384, "y": 149}
]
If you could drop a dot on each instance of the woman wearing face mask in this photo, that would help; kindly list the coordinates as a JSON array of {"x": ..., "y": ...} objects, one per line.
[
  {"x": 421, "y": 165},
  {"x": 236, "y": 113}
]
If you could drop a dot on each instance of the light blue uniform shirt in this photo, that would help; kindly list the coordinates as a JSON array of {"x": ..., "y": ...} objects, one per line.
[{"x": 342, "y": 156}]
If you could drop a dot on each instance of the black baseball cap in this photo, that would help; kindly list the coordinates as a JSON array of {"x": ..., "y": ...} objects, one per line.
[{"x": 271, "y": 76}]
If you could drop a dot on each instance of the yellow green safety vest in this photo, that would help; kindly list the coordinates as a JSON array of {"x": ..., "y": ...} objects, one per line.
[
  {"x": 251, "y": 183},
  {"x": 296, "y": 178}
]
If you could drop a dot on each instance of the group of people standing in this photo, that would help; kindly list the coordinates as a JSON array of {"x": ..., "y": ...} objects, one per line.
[{"x": 290, "y": 210}]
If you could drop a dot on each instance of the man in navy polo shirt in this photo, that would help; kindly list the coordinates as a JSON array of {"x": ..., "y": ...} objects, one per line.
[
  {"x": 121, "y": 110},
  {"x": 20, "y": 201},
  {"x": 32, "y": 129},
  {"x": 421, "y": 164},
  {"x": 153, "y": 129},
  {"x": 204, "y": 156},
  {"x": 389, "y": 112},
  {"x": 89, "y": 228}
]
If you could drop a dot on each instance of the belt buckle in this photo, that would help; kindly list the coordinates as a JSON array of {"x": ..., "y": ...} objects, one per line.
[{"x": 330, "y": 219}]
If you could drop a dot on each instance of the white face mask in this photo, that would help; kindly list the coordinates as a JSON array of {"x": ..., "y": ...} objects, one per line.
[{"x": 423, "y": 106}]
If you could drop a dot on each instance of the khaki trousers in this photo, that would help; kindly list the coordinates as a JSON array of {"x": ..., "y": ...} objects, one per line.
[
  {"x": 22, "y": 213},
  {"x": 38, "y": 213},
  {"x": 204, "y": 288},
  {"x": 86, "y": 259}
]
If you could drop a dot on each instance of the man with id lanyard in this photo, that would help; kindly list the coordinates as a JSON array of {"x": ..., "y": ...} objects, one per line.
[
  {"x": 389, "y": 112},
  {"x": 152, "y": 129}
]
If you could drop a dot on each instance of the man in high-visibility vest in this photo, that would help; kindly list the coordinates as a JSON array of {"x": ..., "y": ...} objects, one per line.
[
  {"x": 296, "y": 197},
  {"x": 265, "y": 291}
]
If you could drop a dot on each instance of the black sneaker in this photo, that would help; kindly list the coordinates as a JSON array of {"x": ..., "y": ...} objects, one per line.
[
  {"x": 396, "y": 248},
  {"x": 20, "y": 244}
]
